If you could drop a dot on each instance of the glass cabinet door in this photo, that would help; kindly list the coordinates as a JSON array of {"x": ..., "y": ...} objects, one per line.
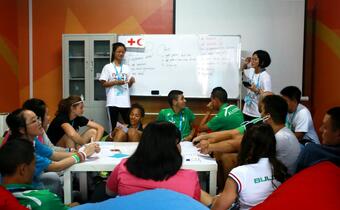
[
  {"x": 76, "y": 61},
  {"x": 101, "y": 57}
]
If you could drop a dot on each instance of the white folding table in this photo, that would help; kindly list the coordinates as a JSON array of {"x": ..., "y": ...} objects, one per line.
[{"x": 106, "y": 160}]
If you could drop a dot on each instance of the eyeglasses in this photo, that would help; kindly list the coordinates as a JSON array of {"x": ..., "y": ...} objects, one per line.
[{"x": 35, "y": 120}]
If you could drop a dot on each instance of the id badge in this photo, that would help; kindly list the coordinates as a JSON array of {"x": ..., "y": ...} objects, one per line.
[
  {"x": 247, "y": 100},
  {"x": 119, "y": 91}
]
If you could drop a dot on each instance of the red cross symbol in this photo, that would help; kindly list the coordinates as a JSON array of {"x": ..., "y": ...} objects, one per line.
[{"x": 131, "y": 41}]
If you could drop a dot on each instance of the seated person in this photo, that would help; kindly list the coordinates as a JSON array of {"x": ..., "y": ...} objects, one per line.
[
  {"x": 228, "y": 116},
  {"x": 225, "y": 145},
  {"x": 25, "y": 124},
  {"x": 299, "y": 119},
  {"x": 288, "y": 149},
  {"x": 330, "y": 148},
  {"x": 259, "y": 172},
  {"x": 132, "y": 131},
  {"x": 63, "y": 130},
  {"x": 17, "y": 172},
  {"x": 156, "y": 163},
  {"x": 179, "y": 114},
  {"x": 40, "y": 109}
]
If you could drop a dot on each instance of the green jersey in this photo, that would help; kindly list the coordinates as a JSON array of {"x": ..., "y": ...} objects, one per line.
[
  {"x": 182, "y": 120},
  {"x": 227, "y": 118},
  {"x": 35, "y": 199}
]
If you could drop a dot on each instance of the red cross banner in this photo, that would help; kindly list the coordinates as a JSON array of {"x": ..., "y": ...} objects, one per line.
[{"x": 132, "y": 41}]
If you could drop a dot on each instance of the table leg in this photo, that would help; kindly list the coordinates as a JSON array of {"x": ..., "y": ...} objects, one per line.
[
  {"x": 67, "y": 187},
  {"x": 212, "y": 182},
  {"x": 83, "y": 185}
]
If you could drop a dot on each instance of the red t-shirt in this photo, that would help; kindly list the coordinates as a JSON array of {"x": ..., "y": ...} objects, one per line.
[
  {"x": 8, "y": 201},
  {"x": 121, "y": 181}
]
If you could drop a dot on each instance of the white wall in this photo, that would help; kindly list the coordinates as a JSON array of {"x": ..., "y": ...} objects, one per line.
[{"x": 276, "y": 26}]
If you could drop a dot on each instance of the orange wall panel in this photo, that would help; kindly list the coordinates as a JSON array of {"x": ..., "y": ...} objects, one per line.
[
  {"x": 9, "y": 92},
  {"x": 327, "y": 57},
  {"x": 23, "y": 72},
  {"x": 53, "y": 18},
  {"x": 327, "y": 76}
]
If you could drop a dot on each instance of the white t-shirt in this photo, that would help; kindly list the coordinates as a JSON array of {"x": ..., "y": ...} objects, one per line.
[
  {"x": 301, "y": 121},
  {"x": 287, "y": 148},
  {"x": 254, "y": 182},
  {"x": 261, "y": 81},
  {"x": 117, "y": 95}
]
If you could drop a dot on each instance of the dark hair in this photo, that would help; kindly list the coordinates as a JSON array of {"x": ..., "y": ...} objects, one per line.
[
  {"x": 173, "y": 95},
  {"x": 259, "y": 142},
  {"x": 14, "y": 153},
  {"x": 16, "y": 120},
  {"x": 264, "y": 58},
  {"x": 157, "y": 156},
  {"x": 220, "y": 93},
  {"x": 277, "y": 107},
  {"x": 137, "y": 106},
  {"x": 37, "y": 106},
  {"x": 64, "y": 106},
  {"x": 334, "y": 113},
  {"x": 292, "y": 92},
  {"x": 114, "y": 48}
]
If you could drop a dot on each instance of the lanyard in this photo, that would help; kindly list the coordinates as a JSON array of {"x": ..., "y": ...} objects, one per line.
[
  {"x": 121, "y": 70},
  {"x": 290, "y": 121},
  {"x": 258, "y": 80},
  {"x": 180, "y": 121}
]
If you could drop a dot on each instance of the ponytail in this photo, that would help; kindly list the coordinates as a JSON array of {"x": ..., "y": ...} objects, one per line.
[
  {"x": 64, "y": 106},
  {"x": 15, "y": 121}
]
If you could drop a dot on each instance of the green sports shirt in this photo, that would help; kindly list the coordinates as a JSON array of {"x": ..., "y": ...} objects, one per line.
[
  {"x": 228, "y": 117},
  {"x": 182, "y": 120},
  {"x": 35, "y": 199}
]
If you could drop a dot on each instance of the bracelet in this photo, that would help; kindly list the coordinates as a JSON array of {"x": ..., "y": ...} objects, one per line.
[
  {"x": 81, "y": 156},
  {"x": 76, "y": 158},
  {"x": 84, "y": 154}
]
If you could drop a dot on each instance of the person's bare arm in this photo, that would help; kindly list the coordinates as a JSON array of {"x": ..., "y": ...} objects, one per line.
[
  {"x": 112, "y": 83},
  {"x": 73, "y": 134},
  {"x": 227, "y": 146},
  {"x": 69, "y": 161},
  {"x": 131, "y": 81},
  {"x": 203, "y": 124},
  {"x": 217, "y": 136},
  {"x": 56, "y": 156},
  {"x": 227, "y": 197},
  {"x": 191, "y": 135},
  {"x": 299, "y": 135},
  {"x": 99, "y": 128}
]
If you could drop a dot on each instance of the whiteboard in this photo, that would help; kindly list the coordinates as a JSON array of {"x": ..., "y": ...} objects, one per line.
[
  {"x": 194, "y": 64},
  {"x": 276, "y": 26}
]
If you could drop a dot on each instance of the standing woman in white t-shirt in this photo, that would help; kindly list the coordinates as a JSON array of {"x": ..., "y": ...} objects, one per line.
[
  {"x": 116, "y": 79},
  {"x": 257, "y": 80},
  {"x": 259, "y": 172}
]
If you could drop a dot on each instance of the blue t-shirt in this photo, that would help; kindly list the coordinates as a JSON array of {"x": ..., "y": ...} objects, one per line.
[
  {"x": 147, "y": 199},
  {"x": 42, "y": 160}
]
